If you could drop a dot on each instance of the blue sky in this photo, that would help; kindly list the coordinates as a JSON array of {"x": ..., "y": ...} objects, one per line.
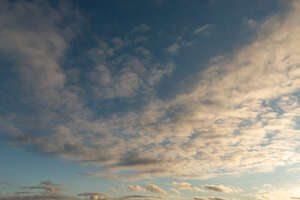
[{"x": 160, "y": 99}]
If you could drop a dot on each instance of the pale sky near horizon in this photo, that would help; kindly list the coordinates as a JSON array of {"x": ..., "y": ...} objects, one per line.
[{"x": 150, "y": 99}]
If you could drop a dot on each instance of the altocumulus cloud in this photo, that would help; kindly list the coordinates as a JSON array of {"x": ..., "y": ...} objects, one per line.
[{"x": 225, "y": 119}]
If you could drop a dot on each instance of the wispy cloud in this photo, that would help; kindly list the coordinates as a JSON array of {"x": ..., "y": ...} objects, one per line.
[
  {"x": 201, "y": 29},
  {"x": 221, "y": 188},
  {"x": 141, "y": 28},
  {"x": 187, "y": 186},
  {"x": 174, "y": 190},
  {"x": 208, "y": 198}
]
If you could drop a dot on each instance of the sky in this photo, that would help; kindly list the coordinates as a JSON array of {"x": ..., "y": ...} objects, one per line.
[{"x": 150, "y": 100}]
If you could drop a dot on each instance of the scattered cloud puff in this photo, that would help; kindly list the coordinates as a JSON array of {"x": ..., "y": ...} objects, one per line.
[
  {"x": 154, "y": 188},
  {"x": 173, "y": 48},
  {"x": 251, "y": 23},
  {"x": 239, "y": 116},
  {"x": 136, "y": 188},
  {"x": 187, "y": 186}
]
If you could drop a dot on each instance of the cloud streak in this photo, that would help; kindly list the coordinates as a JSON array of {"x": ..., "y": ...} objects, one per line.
[{"x": 187, "y": 186}]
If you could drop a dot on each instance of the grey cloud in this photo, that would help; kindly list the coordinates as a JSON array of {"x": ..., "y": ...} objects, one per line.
[
  {"x": 173, "y": 48},
  {"x": 201, "y": 29},
  {"x": 141, "y": 28},
  {"x": 125, "y": 76},
  {"x": 48, "y": 187},
  {"x": 137, "y": 160},
  {"x": 221, "y": 188}
]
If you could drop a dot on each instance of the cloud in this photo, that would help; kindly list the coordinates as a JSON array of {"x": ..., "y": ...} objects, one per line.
[
  {"x": 126, "y": 75},
  {"x": 187, "y": 186},
  {"x": 295, "y": 169},
  {"x": 201, "y": 29},
  {"x": 174, "y": 190},
  {"x": 37, "y": 197},
  {"x": 208, "y": 198},
  {"x": 238, "y": 116},
  {"x": 136, "y": 188},
  {"x": 136, "y": 197},
  {"x": 154, "y": 188},
  {"x": 48, "y": 187},
  {"x": 251, "y": 23},
  {"x": 95, "y": 195},
  {"x": 113, "y": 190},
  {"x": 141, "y": 28},
  {"x": 284, "y": 192},
  {"x": 221, "y": 188},
  {"x": 173, "y": 48}
]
